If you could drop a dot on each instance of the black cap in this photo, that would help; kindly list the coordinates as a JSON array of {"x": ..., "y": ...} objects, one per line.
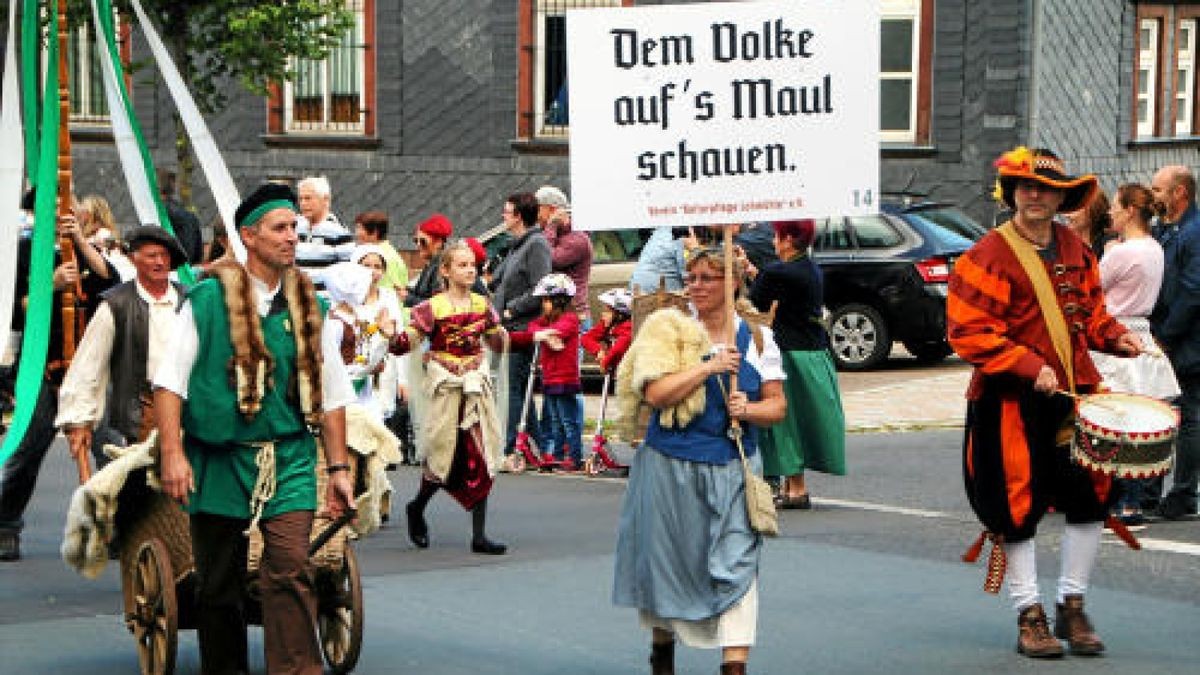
[
  {"x": 153, "y": 234},
  {"x": 269, "y": 195}
]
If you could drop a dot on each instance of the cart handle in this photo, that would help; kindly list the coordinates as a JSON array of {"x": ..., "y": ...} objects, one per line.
[{"x": 331, "y": 530}]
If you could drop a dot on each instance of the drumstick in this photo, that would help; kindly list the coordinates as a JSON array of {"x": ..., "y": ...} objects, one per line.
[{"x": 1081, "y": 397}]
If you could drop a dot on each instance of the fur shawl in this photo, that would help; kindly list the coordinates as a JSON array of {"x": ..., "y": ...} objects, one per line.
[
  {"x": 667, "y": 342},
  {"x": 251, "y": 363}
]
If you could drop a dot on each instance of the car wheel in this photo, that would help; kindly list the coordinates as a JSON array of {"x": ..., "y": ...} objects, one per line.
[
  {"x": 858, "y": 337},
  {"x": 929, "y": 352}
]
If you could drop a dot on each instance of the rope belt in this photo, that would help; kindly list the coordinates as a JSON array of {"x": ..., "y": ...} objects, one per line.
[{"x": 264, "y": 484}]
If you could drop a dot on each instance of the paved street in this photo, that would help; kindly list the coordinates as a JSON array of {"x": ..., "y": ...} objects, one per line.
[{"x": 869, "y": 580}]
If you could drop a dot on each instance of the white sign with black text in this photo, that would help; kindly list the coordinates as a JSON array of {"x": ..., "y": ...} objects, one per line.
[{"x": 723, "y": 112}]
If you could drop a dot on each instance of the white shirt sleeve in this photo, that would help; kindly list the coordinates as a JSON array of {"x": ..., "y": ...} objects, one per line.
[
  {"x": 768, "y": 363},
  {"x": 175, "y": 365},
  {"x": 83, "y": 394},
  {"x": 337, "y": 391}
]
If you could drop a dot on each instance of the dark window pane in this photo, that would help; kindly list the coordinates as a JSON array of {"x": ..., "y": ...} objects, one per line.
[
  {"x": 875, "y": 232},
  {"x": 895, "y": 105},
  {"x": 896, "y": 38},
  {"x": 555, "y": 81}
]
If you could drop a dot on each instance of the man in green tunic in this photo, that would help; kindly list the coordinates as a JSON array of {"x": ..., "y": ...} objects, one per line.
[{"x": 251, "y": 370}]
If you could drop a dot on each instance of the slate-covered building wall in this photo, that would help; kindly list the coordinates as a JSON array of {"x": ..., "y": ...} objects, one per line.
[{"x": 1044, "y": 72}]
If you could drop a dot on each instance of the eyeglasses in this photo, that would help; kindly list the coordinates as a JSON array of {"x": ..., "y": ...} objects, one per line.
[
  {"x": 421, "y": 241},
  {"x": 702, "y": 278}
]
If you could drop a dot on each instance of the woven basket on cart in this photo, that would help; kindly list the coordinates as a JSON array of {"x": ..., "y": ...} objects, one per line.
[
  {"x": 331, "y": 555},
  {"x": 162, "y": 519}
]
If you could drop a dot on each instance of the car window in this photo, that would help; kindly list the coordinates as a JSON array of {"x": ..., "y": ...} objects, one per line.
[
  {"x": 875, "y": 232},
  {"x": 617, "y": 245},
  {"x": 951, "y": 227},
  {"x": 832, "y": 235}
]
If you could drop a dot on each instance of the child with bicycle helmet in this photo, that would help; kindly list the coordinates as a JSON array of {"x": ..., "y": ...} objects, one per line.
[
  {"x": 610, "y": 337},
  {"x": 557, "y": 330}
]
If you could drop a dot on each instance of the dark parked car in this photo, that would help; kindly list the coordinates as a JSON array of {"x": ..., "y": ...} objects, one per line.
[{"x": 886, "y": 276}]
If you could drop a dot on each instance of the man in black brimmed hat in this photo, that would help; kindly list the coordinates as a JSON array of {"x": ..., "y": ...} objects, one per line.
[
  {"x": 1024, "y": 307},
  {"x": 253, "y": 367},
  {"x": 123, "y": 342}
]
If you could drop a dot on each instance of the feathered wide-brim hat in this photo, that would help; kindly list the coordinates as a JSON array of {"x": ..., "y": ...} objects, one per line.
[{"x": 1045, "y": 167}]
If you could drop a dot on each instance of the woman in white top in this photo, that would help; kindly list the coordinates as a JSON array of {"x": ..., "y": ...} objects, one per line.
[{"x": 1131, "y": 273}]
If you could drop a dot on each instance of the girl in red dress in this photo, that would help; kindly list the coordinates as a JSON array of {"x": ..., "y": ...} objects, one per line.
[{"x": 461, "y": 435}]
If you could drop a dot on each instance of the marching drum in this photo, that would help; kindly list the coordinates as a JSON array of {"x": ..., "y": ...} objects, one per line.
[{"x": 1124, "y": 435}]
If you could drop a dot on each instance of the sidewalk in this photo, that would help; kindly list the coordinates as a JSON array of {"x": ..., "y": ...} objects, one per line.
[
  {"x": 929, "y": 402},
  {"x": 908, "y": 402}
]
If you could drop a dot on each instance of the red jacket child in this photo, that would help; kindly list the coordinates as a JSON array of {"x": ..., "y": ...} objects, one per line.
[
  {"x": 613, "y": 341},
  {"x": 560, "y": 367}
]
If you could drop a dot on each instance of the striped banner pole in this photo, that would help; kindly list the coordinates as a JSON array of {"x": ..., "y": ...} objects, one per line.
[
  {"x": 127, "y": 134},
  {"x": 30, "y": 53},
  {"x": 36, "y": 339},
  {"x": 225, "y": 192},
  {"x": 12, "y": 176}
]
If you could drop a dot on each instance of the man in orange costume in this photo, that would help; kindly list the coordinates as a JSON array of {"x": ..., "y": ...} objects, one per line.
[{"x": 1028, "y": 359}]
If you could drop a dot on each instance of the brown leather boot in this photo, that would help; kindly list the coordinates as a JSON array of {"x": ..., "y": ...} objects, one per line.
[
  {"x": 1033, "y": 634},
  {"x": 1072, "y": 624},
  {"x": 733, "y": 668},
  {"x": 662, "y": 658}
]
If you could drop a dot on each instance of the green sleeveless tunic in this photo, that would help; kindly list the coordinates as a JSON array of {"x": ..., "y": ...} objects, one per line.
[{"x": 216, "y": 436}]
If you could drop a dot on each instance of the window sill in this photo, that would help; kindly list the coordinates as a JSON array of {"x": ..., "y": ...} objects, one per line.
[
  {"x": 553, "y": 147},
  {"x": 91, "y": 133},
  {"x": 1164, "y": 141},
  {"x": 904, "y": 150},
  {"x": 321, "y": 141}
]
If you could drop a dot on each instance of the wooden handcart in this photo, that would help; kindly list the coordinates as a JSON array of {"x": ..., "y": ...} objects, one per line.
[{"x": 157, "y": 577}]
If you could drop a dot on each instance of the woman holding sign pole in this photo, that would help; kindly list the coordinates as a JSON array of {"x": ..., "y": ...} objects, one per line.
[{"x": 687, "y": 558}]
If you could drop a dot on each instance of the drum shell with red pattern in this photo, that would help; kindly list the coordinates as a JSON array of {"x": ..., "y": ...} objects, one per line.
[{"x": 1124, "y": 435}]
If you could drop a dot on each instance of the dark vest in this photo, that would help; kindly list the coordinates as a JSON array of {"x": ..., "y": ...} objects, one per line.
[{"x": 127, "y": 365}]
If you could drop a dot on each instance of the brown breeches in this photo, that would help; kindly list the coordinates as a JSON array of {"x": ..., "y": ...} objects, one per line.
[{"x": 285, "y": 577}]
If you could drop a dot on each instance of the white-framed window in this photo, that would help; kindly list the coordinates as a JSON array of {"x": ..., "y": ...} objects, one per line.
[
  {"x": 85, "y": 76},
  {"x": 330, "y": 95},
  {"x": 89, "y": 106},
  {"x": 551, "y": 105},
  {"x": 1185, "y": 77},
  {"x": 899, "y": 70},
  {"x": 1146, "y": 98}
]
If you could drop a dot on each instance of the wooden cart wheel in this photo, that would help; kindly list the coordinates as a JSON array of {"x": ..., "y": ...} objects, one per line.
[
  {"x": 340, "y": 616},
  {"x": 155, "y": 614}
]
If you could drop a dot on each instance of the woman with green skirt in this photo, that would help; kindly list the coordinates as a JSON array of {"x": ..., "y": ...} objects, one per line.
[{"x": 813, "y": 433}]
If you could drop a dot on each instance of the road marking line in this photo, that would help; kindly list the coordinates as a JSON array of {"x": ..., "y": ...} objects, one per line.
[
  {"x": 882, "y": 508},
  {"x": 1149, "y": 544},
  {"x": 1170, "y": 546}
]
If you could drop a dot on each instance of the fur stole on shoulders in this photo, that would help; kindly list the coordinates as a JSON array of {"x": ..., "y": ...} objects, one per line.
[
  {"x": 251, "y": 364},
  {"x": 668, "y": 341}
]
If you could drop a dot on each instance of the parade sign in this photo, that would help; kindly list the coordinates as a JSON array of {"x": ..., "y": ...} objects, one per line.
[{"x": 723, "y": 112}]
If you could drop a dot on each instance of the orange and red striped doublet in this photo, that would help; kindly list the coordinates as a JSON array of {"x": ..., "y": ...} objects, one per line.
[{"x": 1012, "y": 465}]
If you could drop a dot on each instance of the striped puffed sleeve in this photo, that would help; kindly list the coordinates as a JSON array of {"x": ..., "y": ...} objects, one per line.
[{"x": 977, "y": 304}]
